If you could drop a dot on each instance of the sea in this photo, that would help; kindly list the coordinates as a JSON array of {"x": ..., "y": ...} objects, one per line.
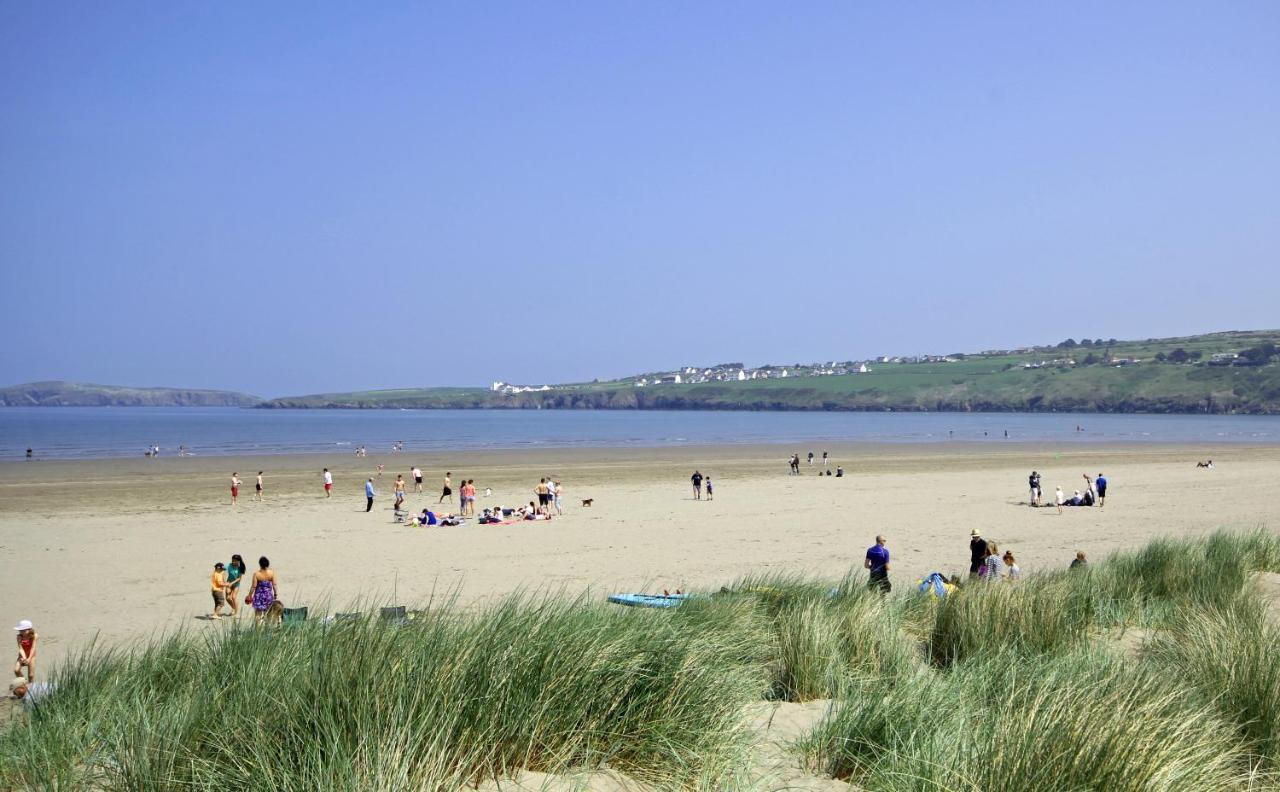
[{"x": 107, "y": 432}]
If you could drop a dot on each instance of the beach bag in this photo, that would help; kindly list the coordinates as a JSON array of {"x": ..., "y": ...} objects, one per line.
[{"x": 935, "y": 585}]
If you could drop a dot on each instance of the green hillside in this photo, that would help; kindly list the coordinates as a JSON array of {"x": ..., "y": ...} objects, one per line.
[
  {"x": 80, "y": 394},
  {"x": 1171, "y": 375}
]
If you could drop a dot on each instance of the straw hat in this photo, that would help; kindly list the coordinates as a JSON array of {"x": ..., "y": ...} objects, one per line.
[{"x": 975, "y": 532}]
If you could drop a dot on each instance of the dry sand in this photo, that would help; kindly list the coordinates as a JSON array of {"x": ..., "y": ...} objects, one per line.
[{"x": 123, "y": 548}]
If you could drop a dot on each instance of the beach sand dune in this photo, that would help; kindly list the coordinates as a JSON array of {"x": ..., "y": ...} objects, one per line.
[{"x": 119, "y": 549}]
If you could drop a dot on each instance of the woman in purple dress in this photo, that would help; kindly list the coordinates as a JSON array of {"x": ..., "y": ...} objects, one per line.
[{"x": 262, "y": 592}]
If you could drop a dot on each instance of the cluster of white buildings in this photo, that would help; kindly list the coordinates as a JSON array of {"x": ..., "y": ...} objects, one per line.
[
  {"x": 506, "y": 387},
  {"x": 736, "y": 372}
]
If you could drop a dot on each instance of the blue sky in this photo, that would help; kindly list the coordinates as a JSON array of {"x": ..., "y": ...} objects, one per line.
[{"x": 288, "y": 198}]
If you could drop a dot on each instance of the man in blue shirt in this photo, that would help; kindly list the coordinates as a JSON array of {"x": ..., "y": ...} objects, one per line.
[
  {"x": 878, "y": 564},
  {"x": 369, "y": 493},
  {"x": 1101, "y": 484}
]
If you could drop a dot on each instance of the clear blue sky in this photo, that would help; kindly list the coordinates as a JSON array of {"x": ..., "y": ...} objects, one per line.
[{"x": 287, "y": 198}]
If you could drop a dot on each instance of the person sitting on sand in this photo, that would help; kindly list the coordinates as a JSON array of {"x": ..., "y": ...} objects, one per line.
[
  {"x": 428, "y": 518},
  {"x": 1011, "y": 566},
  {"x": 26, "y": 649},
  {"x": 1080, "y": 561},
  {"x": 262, "y": 590}
]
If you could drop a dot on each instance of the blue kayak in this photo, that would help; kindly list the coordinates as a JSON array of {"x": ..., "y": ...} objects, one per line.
[{"x": 648, "y": 600}]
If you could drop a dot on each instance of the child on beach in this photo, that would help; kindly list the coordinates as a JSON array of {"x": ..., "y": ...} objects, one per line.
[
  {"x": 1014, "y": 571},
  {"x": 711, "y": 493},
  {"x": 235, "y": 573},
  {"x": 328, "y": 483},
  {"x": 257, "y": 487},
  {"x": 235, "y": 487},
  {"x": 218, "y": 587},
  {"x": 26, "y": 650}
]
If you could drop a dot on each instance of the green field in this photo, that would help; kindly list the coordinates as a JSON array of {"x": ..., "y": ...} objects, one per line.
[
  {"x": 1153, "y": 670},
  {"x": 980, "y": 382}
]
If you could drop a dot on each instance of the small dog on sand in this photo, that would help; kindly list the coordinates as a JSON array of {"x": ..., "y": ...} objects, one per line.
[{"x": 587, "y": 501}]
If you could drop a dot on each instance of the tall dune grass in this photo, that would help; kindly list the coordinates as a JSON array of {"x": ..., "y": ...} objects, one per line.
[
  {"x": 1076, "y": 721},
  {"x": 996, "y": 687},
  {"x": 1229, "y": 659},
  {"x": 545, "y": 685}
]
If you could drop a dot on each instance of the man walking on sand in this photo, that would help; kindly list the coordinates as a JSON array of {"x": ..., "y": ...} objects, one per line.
[
  {"x": 877, "y": 563},
  {"x": 417, "y": 478},
  {"x": 328, "y": 483},
  {"x": 697, "y": 485},
  {"x": 1101, "y": 483},
  {"x": 369, "y": 493}
]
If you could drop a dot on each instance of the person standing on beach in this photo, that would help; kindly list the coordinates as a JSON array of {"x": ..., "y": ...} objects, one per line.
[
  {"x": 977, "y": 552},
  {"x": 710, "y": 491},
  {"x": 1058, "y": 499},
  {"x": 398, "y": 489},
  {"x": 542, "y": 492},
  {"x": 218, "y": 587},
  {"x": 824, "y": 458},
  {"x": 30, "y": 454},
  {"x": 257, "y": 487},
  {"x": 1034, "y": 481},
  {"x": 369, "y": 493},
  {"x": 696, "y": 478},
  {"x": 235, "y": 488},
  {"x": 263, "y": 591},
  {"x": 417, "y": 478},
  {"x": 557, "y": 490},
  {"x": 328, "y": 483},
  {"x": 877, "y": 563},
  {"x": 26, "y": 650},
  {"x": 810, "y": 459},
  {"x": 448, "y": 489},
  {"x": 1101, "y": 483},
  {"x": 235, "y": 573}
]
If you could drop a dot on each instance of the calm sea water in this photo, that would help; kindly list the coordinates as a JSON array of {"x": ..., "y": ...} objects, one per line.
[{"x": 89, "y": 432}]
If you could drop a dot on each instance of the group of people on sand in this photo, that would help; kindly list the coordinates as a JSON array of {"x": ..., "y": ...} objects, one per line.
[
  {"x": 263, "y": 593},
  {"x": 1093, "y": 494},
  {"x": 986, "y": 564},
  {"x": 235, "y": 488},
  {"x": 793, "y": 465}
]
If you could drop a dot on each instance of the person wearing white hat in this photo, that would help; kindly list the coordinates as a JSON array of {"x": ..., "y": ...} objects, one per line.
[
  {"x": 26, "y": 650},
  {"x": 977, "y": 552}
]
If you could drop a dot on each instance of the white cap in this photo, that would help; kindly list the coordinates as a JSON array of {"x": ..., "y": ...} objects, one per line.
[{"x": 25, "y": 624}]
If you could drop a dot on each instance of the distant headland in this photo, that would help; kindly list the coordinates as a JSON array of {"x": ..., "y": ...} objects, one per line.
[{"x": 1227, "y": 372}]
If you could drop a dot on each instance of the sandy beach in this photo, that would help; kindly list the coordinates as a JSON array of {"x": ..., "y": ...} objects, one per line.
[{"x": 120, "y": 549}]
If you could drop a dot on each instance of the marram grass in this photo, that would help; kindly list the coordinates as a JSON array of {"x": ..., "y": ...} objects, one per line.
[{"x": 997, "y": 687}]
